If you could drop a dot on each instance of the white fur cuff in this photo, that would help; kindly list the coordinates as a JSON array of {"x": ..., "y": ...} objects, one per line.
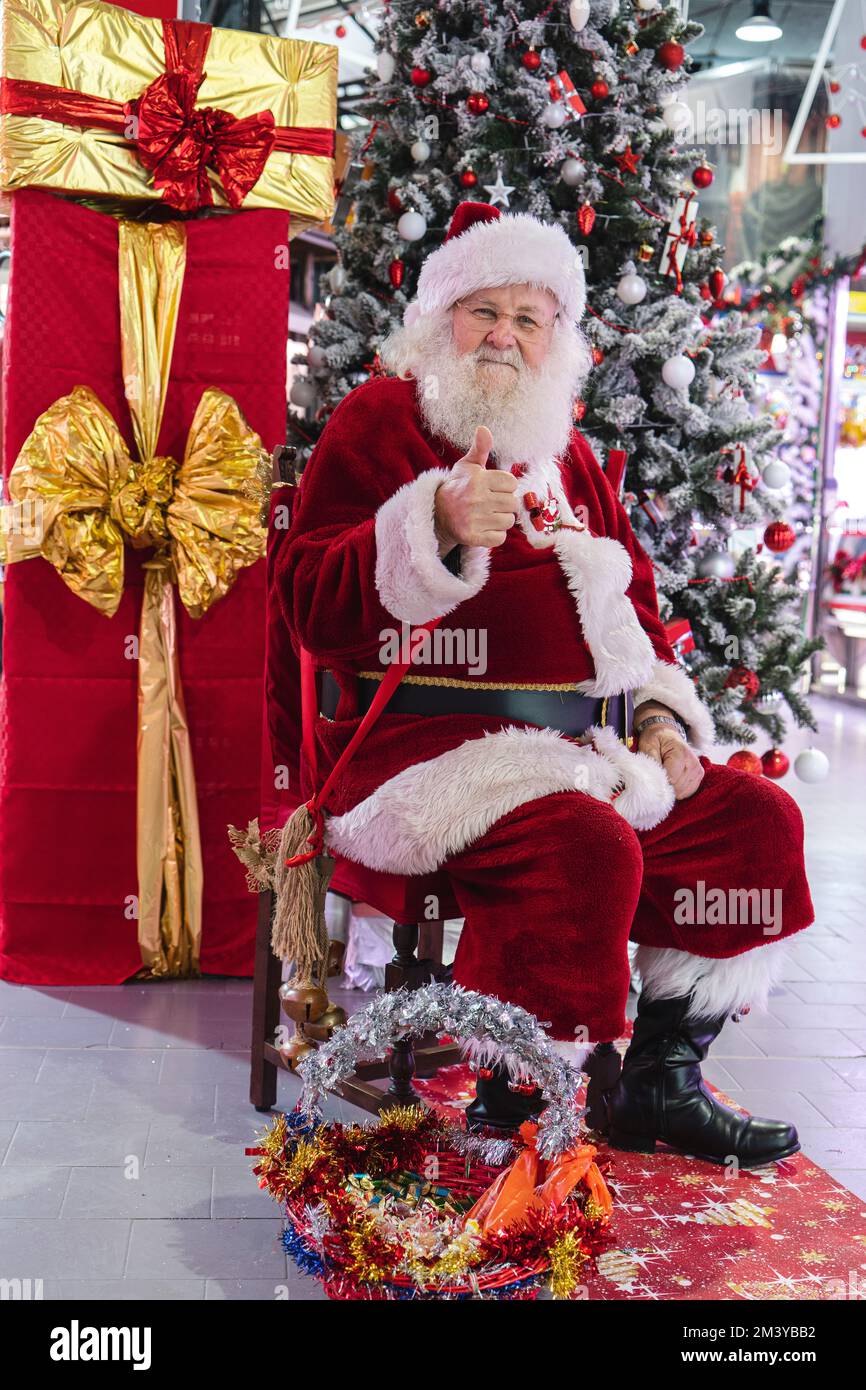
[
  {"x": 647, "y": 796},
  {"x": 673, "y": 686},
  {"x": 717, "y": 986},
  {"x": 412, "y": 582}
]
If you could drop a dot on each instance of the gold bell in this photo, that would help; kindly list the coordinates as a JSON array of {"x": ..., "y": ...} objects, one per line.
[
  {"x": 303, "y": 1002},
  {"x": 322, "y": 1028},
  {"x": 336, "y": 952},
  {"x": 295, "y": 1050}
]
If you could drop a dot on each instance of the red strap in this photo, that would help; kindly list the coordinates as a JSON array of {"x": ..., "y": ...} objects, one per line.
[
  {"x": 391, "y": 679},
  {"x": 309, "y": 710}
]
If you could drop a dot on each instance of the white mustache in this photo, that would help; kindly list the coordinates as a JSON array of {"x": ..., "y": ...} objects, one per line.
[{"x": 508, "y": 357}]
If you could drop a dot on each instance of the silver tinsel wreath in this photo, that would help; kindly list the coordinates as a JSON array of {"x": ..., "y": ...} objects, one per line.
[{"x": 514, "y": 1034}]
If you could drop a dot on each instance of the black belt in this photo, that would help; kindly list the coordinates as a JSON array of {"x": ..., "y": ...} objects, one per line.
[{"x": 568, "y": 711}]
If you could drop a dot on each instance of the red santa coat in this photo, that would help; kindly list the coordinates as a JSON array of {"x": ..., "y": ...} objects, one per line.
[{"x": 571, "y": 608}]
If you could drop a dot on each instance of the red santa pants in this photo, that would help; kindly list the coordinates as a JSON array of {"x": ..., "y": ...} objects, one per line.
[{"x": 552, "y": 893}]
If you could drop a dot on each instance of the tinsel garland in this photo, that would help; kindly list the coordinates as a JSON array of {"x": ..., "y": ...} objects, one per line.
[
  {"x": 320, "y": 1173},
  {"x": 515, "y": 1035}
]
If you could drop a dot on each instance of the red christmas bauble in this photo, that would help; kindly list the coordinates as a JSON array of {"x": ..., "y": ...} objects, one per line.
[
  {"x": 745, "y": 761},
  {"x": 706, "y": 292},
  {"x": 477, "y": 103},
  {"x": 775, "y": 763},
  {"x": 833, "y": 122},
  {"x": 835, "y": 87},
  {"x": 579, "y": 410},
  {"x": 586, "y": 218},
  {"x": 396, "y": 271},
  {"x": 671, "y": 55},
  {"x": 779, "y": 536},
  {"x": 716, "y": 282},
  {"x": 702, "y": 177},
  {"x": 419, "y": 77},
  {"x": 599, "y": 89},
  {"x": 393, "y": 200},
  {"x": 340, "y": 31},
  {"x": 742, "y": 678},
  {"x": 597, "y": 356},
  {"x": 531, "y": 60},
  {"x": 468, "y": 178}
]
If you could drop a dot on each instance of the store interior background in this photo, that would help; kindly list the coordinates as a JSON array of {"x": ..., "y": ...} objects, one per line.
[{"x": 118, "y": 1070}]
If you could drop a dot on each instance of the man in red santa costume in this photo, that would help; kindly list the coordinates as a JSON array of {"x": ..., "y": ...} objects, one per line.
[{"x": 562, "y": 788}]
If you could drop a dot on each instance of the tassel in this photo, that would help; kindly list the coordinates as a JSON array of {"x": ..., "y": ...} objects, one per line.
[
  {"x": 256, "y": 852},
  {"x": 302, "y": 873}
]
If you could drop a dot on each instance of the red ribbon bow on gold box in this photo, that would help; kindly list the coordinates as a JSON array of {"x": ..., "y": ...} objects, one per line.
[{"x": 166, "y": 133}]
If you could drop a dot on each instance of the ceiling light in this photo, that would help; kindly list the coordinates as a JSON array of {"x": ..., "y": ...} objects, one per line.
[{"x": 760, "y": 28}]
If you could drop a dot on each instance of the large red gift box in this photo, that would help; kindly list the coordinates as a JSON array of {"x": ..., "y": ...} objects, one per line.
[{"x": 69, "y": 691}]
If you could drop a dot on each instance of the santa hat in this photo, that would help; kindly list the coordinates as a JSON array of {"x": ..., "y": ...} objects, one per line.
[{"x": 484, "y": 249}]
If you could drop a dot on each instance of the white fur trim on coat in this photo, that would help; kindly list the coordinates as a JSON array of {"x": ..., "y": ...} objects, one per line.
[
  {"x": 647, "y": 795},
  {"x": 515, "y": 249},
  {"x": 411, "y": 580},
  {"x": 674, "y": 687},
  {"x": 717, "y": 986},
  {"x": 434, "y": 809}
]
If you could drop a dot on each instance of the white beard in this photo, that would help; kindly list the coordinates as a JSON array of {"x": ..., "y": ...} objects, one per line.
[{"x": 527, "y": 410}]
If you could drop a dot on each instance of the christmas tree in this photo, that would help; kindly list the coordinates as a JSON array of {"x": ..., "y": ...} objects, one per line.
[{"x": 571, "y": 111}]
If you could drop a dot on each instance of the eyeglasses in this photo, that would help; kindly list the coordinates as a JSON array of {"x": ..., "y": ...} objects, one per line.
[{"x": 483, "y": 317}]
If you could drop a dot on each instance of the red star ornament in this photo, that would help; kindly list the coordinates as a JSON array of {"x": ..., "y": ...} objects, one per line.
[{"x": 627, "y": 160}]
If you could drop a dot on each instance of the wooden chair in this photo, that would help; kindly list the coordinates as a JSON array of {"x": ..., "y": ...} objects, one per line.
[
  {"x": 405, "y": 900},
  {"x": 417, "y": 960}
]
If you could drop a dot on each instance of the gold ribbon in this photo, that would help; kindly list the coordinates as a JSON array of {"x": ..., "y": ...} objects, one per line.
[{"x": 77, "y": 497}]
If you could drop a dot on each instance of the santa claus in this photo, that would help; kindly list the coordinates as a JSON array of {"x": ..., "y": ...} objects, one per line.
[{"x": 563, "y": 789}]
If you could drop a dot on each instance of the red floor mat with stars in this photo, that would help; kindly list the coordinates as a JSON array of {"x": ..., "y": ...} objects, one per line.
[{"x": 685, "y": 1229}]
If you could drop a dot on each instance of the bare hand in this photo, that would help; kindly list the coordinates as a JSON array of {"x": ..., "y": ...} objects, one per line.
[
  {"x": 477, "y": 505},
  {"x": 680, "y": 762}
]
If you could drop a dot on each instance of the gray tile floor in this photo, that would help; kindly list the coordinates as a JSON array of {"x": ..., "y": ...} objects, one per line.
[{"x": 124, "y": 1111}]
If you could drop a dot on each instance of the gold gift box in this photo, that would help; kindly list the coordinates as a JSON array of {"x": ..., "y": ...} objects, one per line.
[{"x": 106, "y": 52}]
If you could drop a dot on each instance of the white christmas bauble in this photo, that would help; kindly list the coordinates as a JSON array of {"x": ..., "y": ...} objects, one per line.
[
  {"x": 337, "y": 279},
  {"x": 480, "y": 63},
  {"x": 676, "y": 115},
  {"x": 316, "y": 356},
  {"x": 811, "y": 765},
  {"x": 631, "y": 288},
  {"x": 717, "y": 565},
  {"x": 578, "y": 13},
  {"x": 678, "y": 372},
  {"x": 385, "y": 66},
  {"x": 572, "y": 172},
  {"x": 420, "y": 151},
  {"x": 411, "y": 226},
  {"x": 554, "y": 115},
  {"x": 303, "y": 393},
  {"x": 776, "y": 474}
]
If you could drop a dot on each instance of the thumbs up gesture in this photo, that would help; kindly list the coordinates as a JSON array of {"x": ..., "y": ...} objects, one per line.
[{"x": 476, "y": 505}]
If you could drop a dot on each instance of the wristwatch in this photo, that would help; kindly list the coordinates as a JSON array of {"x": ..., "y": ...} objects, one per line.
[{"x": 662, "y": 719}]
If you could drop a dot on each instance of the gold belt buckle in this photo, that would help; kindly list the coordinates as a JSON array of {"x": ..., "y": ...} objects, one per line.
[{"x": 627, "y": 738}]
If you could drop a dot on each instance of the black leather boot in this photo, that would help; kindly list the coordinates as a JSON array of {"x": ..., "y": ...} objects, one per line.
[
  {"x": 501, "y": 1103},
  {"x": 602, "y": 1067},
  {"x": 661, "y": 1095}
]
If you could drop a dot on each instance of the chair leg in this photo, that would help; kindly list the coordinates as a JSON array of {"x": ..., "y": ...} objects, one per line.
[
  {"x": 401, "y": 1070},
  {"x": 266, "y": 1009}
]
